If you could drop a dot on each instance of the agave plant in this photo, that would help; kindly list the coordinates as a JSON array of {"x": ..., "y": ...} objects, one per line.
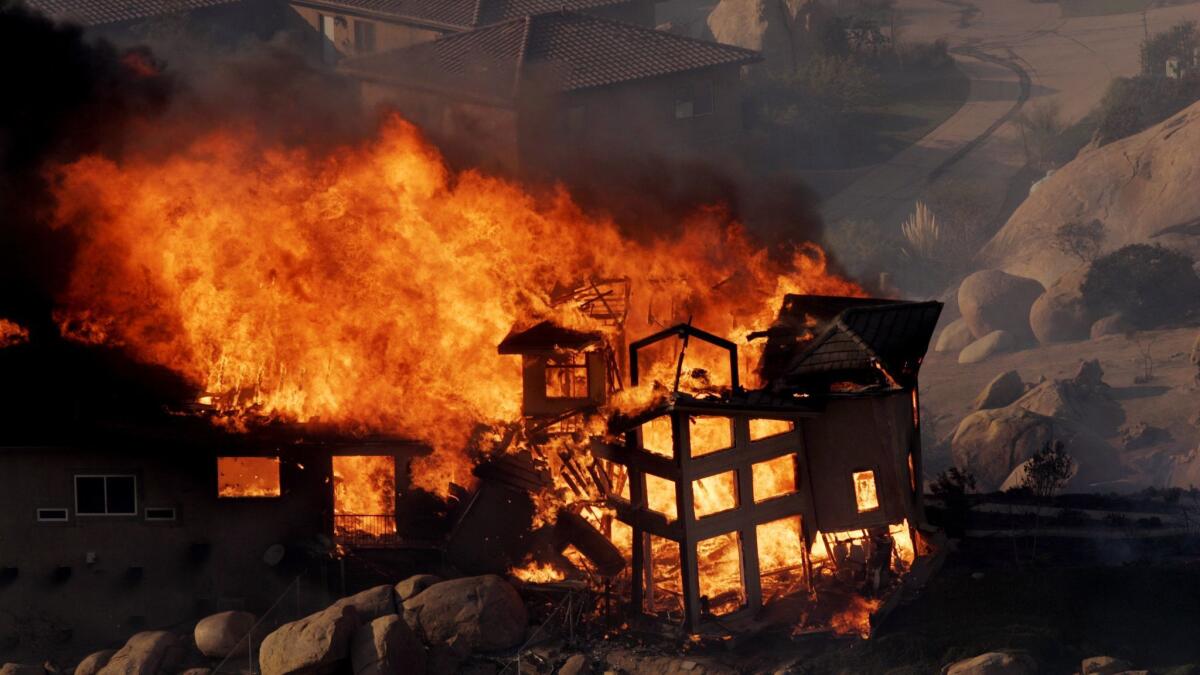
[{"x": 923, "y": 235}]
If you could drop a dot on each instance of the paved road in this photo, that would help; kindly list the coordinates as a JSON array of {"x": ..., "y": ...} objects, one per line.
[{"x": 1016, "y": 53}]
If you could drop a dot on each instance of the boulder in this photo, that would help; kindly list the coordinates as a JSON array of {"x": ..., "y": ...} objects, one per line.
[
  {"x": 993, "y": 663},
  {"x": 196, "y": 671},
  {"x": 996, "y": 342},
  {"x": 92, "y": 663},
  {"x": 315, "y": 644},
  {"x": 1059, "y": 314},
  {"x": 372, "y": 603},
  {"x": 992, "y": 444},
  {"x": 1001, "y": 391},
  {"x": 145, "y": 653},
  {"x": 991, "y": 300},
  {"x": 385, "y": 646},
  {"x": 1084, "y": 399},
  {"x": 483, "y": 613},
  {"x": 1141, "y": 435},
  {"x": 779, "y": 29},
  {"x": 1104, "y": 665},
  {"x": 21, "y": 669},
  {"x": 577, "y": 664},
  {"x": 224, "y": 634},
  {"x": 955, "y": 336},
  {"x": 1141, "y": 188},
  {"x": 415, "y": 584},
  {"x": 1184, "y": 470},
  {"x": 1113, "y": 324}
]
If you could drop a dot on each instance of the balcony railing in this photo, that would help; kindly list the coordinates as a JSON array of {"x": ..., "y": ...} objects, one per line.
[{"x": 365, "y": 530}]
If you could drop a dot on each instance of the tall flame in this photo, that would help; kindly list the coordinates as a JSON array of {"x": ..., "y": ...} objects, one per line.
[{"x": 368, "y": 286}]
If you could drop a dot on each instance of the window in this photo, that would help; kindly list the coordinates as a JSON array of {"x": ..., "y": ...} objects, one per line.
[
  {"x": 248, "y": 477},
  {"x": 52, "y": 515},
  {"x": 97, "y": 495},
  {"x": 364, "y": 36},
  {"x": 328, "y": 38},
  {"x": 567, "y": 376},
  {"x": 160, "y": 513},
  {"x": 864, "y": 491},
  {"x": 774, "y": 477},
  {"x": 694, "y": 99}
]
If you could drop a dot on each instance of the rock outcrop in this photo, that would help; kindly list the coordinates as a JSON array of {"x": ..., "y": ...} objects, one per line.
[
  {"x": 1060, "y": 314},
  {"x": 1141, "y": 189},
  {"x": 992, "y": 300},
  {"x": 92, "y": 663},
  {"x": 993, "y": 663},
  {"x": 386, "y": 646},
  {"x": 313, "y": 645},
  {"x": 1084, "y": 399},
  {"x": 995, "y": 342},
  {"x": 21, "y": 669},
  {"x": 372, "y": 603},
  {"x": 1001, "y": 391},
  {"x": 414, "y": 585},
  {"x": 145, "y": 653},
  {"x": 782, "y": 30},
  {"x": 482, "y": 613},
  {"x": 224, "y": 634},
  {"x": 1113, "y": 324},
  {"x": 1104, "y": 665}
]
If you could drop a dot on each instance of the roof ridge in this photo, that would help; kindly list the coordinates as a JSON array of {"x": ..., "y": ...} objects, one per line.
[{"x": 655, "y": 31}]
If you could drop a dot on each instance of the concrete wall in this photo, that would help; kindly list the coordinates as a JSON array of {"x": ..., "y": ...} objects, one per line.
[{"x": 209, "y": 559}]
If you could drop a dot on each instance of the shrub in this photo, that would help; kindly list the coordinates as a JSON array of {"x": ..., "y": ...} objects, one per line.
[
  {"x": 1048, "y": 470},
  {"x": 1079, "y": 240},
  {"x": 1180, "y": 41},
  {"x": 1148, "y": 285},
  {"x": 1042, "y": 130},
  {"x": 1133, "y": 104}
]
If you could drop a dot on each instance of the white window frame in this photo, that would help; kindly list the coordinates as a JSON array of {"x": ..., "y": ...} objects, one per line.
[
  {"x": 65, "y": 519},
  {"x": 75, "y": 485},
  {"x": 174, "y": 514}
]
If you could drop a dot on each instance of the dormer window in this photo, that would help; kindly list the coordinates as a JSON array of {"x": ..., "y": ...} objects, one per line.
[
  {"x": 563, "y": 370},
  {"x": 567, "y": 375}
]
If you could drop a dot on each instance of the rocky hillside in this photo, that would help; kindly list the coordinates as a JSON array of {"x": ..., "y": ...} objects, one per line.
[{"x": 1142, "y": 189}]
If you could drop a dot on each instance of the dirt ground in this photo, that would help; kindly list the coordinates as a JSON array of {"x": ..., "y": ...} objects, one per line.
[{"x": 1167, "y": 399}]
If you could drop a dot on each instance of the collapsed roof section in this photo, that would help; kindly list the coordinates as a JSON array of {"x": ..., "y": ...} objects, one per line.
[{"x": 820, "y": 340}]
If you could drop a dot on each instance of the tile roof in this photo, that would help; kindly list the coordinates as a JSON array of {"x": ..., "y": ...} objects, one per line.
[
  {"x": 102, "y": 12},
  {"x": 467, "y": 14},
  {"x": 862, "y": 335},
  {"x": 563, "y": 51}
]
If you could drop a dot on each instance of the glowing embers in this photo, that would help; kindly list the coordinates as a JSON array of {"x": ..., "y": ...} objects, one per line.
[
  {"x": 781, "y": 557},
  {"x": 660, "y": 496},
  {"x": 710, "y": 434},
  {"x": 364, "y": 496},
  {"x": 865, "y": 496},
  {"x": 715, "y": 494},
  {"x": 567, "y": 375},
  {"x": 664, "y": 593},
  {"x": 720, "y": 567},
  {"x": 764, "y": 428},
  {"x": 248, "y": 477},
  {"x": 774, "y": 477}
]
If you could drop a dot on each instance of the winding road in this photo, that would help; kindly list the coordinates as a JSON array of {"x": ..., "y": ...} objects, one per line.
[{"x": 1016, "y": 53}]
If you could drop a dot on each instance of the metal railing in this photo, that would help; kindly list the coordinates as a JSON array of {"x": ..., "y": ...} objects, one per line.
[{"x": 365, "y": 530}]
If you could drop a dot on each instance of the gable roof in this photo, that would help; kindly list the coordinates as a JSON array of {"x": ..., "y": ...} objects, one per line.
[
  {"x": 562, "y": 51},
  {"x": 103, "y": 12},
  {"x": 464, "y": 14},
  {"x": 827, "y": 337},
  {"x": 546, "y": 336}
]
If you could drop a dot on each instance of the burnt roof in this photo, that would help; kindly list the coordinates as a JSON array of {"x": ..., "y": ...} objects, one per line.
[
  {"x": 103, "y": 12},
  {"x": 827, "y": 338},
  {"x": 546, "y": 336},
  {"x": 562, "y": 51},
  {"x": 465, "y": 14}
]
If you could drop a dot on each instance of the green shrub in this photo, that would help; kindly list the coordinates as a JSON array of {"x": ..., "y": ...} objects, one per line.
[
  {"x": 1179, "y": 41},
  {"x": 1134, "y": 104},
  {"x": 1148, "y": 285}
]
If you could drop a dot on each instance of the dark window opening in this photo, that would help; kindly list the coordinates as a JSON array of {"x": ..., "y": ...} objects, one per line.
[
  {"x": 364, "y": 36},
  {"x": 160, "y": 513},
  {"x": 52, "y": 515},
  {"x": 694, "y": 99},
  {"x": 106, "y": 495}
]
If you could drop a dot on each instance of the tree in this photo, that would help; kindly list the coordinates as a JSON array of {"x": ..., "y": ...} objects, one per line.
[
  {"x": 1079, "y": 240},
  {"x": 952, "y": 487},
  {"x": 1148, "y": 285},
  {"x": 1048, "y": 470},
  {"x": 1179, "y": 41}
]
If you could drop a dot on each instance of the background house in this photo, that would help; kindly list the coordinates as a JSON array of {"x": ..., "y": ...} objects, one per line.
[
  {"x": 356, "y": 27},
  {"x": 539, "y": 94},
  {"x": 219, "y": 22}
]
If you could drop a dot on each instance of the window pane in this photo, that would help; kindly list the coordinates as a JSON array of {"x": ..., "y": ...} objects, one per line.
[
  {"x": 89, "y": 494},
  {"x": 660, "y": 496},
  {"x": 710, "y": 434},
  {"x": 864, "y": 491},
  {"x": 567, "y": 376},
  {"x": 656, "y": 436},
  {"x": 715, "y": 494},
  {"x": 720, "y": 561},
  {"x": 122, "y": 495},
  {"x": 765, "y": 428},
  {"x": 248, "y": 477},
  {"x": 774, "y": 477}
]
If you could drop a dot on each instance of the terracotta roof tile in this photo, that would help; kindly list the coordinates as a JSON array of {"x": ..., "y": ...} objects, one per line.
[{"x": 102, "y": 12}]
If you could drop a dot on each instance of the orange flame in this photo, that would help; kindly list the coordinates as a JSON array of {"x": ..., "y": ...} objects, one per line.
[{"x": 12, "y": 333}]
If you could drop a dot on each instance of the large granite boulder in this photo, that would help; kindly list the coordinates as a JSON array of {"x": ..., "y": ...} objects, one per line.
[
  {"x": 415, "y": 584},
  {"x": 993, "y": 663},
  {"x": 991, "y": 444},
  {"x": 21, "y": 669},
  {"x": 995, "y": 342},
  {"x": 145, "y": 653},
  {"x": 385, "y": 646},
  {"x": 224, "y": 634},
  {"x": 1104, "y": 665},
  {"x": 1060, "y": 314},
  {"x": 1001, "y": 391},
  {"x": 1084, "y": 399},
  {"x": 771, "y": 27},
  {"x": 483, "y": 613},
  {"x": 314, "y": 645},
  {"x": 372, "y": 603},
  {"x": 1113, "y": 324},
  {"x": 992, "y": 300},
  {"x": 1141, "y": 188},
  {"x": 92, "y": 663},
  {"x": 955, "y": 336}
]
